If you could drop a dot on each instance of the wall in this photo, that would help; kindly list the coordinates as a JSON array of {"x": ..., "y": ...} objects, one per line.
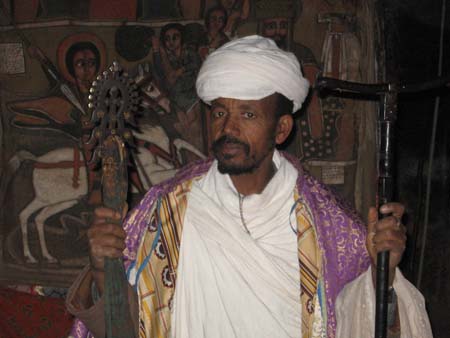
[{"x": 48, "y": 190}]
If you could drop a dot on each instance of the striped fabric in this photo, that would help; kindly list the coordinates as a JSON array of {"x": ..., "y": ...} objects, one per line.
[{"x": 157, "y": 282}]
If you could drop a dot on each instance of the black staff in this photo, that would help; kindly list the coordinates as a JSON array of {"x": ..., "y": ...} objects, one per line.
[{"x": 387, "y": 95}]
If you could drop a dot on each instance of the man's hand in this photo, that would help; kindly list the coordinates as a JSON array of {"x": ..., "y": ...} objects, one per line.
[
  {"x": 106, "y": 239},
  {"x": 387, "y": 234}
]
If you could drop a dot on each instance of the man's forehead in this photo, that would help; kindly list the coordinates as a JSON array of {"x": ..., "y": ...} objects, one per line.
[{"x": 227, "y": 101}]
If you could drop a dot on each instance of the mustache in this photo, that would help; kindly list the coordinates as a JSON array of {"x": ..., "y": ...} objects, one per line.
[{"x": 227, "y": 139}]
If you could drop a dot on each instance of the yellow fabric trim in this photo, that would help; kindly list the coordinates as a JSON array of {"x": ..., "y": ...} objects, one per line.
[
  {"x": 310, "y": 264},
  {"x": 157, "y": 283}
]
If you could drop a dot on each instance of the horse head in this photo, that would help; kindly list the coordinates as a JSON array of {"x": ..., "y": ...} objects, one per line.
[{"x": 50, "y": 113}]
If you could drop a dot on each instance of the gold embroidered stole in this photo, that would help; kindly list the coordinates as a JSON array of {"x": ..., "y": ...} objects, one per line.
[
  {"x": 310, "y": 261},
  {"x": 156, "y": 284}
]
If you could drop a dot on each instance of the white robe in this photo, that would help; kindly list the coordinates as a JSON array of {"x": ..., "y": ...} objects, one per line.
[
  {"x": 355, "y": 309},
  {"x": 232, "y": 284}
]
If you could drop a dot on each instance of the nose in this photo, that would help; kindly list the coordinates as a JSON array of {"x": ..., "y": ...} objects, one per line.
[{"x": 231, "y": 126}]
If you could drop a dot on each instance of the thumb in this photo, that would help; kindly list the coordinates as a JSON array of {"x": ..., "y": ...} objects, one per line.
[
  {"x": 124, "y": 210},
  {"x": 372, "y": 219}
]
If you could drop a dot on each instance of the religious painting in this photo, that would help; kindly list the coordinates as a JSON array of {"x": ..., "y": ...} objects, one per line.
[
  {"x": 328, "y": 127},
  {"x": 48, "y": 187},
  {"x": 48, "y": 143},
  {"x": 48, "y": 184}
]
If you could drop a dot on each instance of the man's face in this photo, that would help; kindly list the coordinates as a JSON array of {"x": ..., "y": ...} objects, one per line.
[
  {"x": 276, "y": 29},
  {"x": 216, "y": 21},
  {"x": 172, "y": 39},
  {"x": 85, "y": 68},
  {"x": 243, "y": 133}
]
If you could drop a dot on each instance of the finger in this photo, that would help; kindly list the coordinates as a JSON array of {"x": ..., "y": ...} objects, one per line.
[
  {"x": 390, "y": 245},
  {"x": 98, "y": 253},
  {"x": 389, "y": 240},
  {"x": 372, "y": 218},
  {"x": 105, "y": 229},
  {"x": 112, "y": 242},
  {"x": 103, "y": 212},
  {"x": 394, "y": 208},
  {"x": 389, "y": 222},
  {"x": 389, "y": 235}
]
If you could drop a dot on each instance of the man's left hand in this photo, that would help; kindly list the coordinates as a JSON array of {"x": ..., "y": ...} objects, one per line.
[{"x": 386, "y": 234}]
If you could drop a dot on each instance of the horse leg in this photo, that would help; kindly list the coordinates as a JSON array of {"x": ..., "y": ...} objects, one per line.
[
  {"x": 43, "y": 215},
  {"x": 23, "y": 218}
]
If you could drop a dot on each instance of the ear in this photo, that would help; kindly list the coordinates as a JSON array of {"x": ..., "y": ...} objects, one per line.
[{"x": 284, "y": 128}]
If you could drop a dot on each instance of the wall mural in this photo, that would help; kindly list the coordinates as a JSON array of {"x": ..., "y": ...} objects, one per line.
[{"x": 53, "y": 50}]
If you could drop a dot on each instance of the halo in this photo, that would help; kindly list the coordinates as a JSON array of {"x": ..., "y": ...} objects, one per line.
[{"x": 69, "y": 41}]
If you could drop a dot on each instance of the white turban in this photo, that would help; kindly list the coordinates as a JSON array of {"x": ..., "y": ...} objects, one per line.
[{"x": 251, "y": 68}]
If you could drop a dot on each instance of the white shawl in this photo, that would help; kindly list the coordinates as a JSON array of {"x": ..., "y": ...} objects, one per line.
[{"x": 232, "y": 284}]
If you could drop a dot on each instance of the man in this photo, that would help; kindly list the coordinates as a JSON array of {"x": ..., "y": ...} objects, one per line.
[{"x": 229, "y": 246}]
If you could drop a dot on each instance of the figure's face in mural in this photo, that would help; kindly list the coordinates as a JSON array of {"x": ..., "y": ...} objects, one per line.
[
  {"x": 172, "y": 40},
  {"x": 216, "y": 21},
  {"x": 85, "y": 68},
  {"x": 276, "y": 29},
  {"x": 228, "y": 4}
]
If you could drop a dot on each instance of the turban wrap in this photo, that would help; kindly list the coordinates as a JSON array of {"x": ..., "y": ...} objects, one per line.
[{"x": 251, "y": 68}]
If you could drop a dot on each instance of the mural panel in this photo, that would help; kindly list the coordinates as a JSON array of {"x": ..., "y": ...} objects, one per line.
[{"x": 54, "y": 52}]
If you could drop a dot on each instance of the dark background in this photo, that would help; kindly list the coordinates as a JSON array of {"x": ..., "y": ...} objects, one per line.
[{"x": 413, "y": 29}]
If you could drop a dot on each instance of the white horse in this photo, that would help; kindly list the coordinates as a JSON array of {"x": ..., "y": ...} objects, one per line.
[{"x": 56, "y": 190}]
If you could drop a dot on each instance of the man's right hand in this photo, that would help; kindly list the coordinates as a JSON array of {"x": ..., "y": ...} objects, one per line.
[{"x": 106, "y": 239}]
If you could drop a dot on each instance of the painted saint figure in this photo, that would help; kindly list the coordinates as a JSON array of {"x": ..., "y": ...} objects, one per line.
[
  {"x": 178, "y": 65},
  {"x": 277, "y": 28},
  {"x": 215, "y": 21},
  {"x": 237, "y": 12}
]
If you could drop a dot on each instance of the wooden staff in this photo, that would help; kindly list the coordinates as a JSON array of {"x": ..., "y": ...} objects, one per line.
[{"x": 113, "y": 99}]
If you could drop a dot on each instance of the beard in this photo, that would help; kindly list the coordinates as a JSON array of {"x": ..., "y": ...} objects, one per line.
[
  {"x": 247, "y": 166},
  {"x": 280, "y": 41}
]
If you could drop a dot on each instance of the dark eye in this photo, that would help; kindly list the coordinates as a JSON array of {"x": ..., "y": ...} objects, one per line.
[
  {"x": 216, "y": 113},
  {"x": 249, "y": 115}
]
